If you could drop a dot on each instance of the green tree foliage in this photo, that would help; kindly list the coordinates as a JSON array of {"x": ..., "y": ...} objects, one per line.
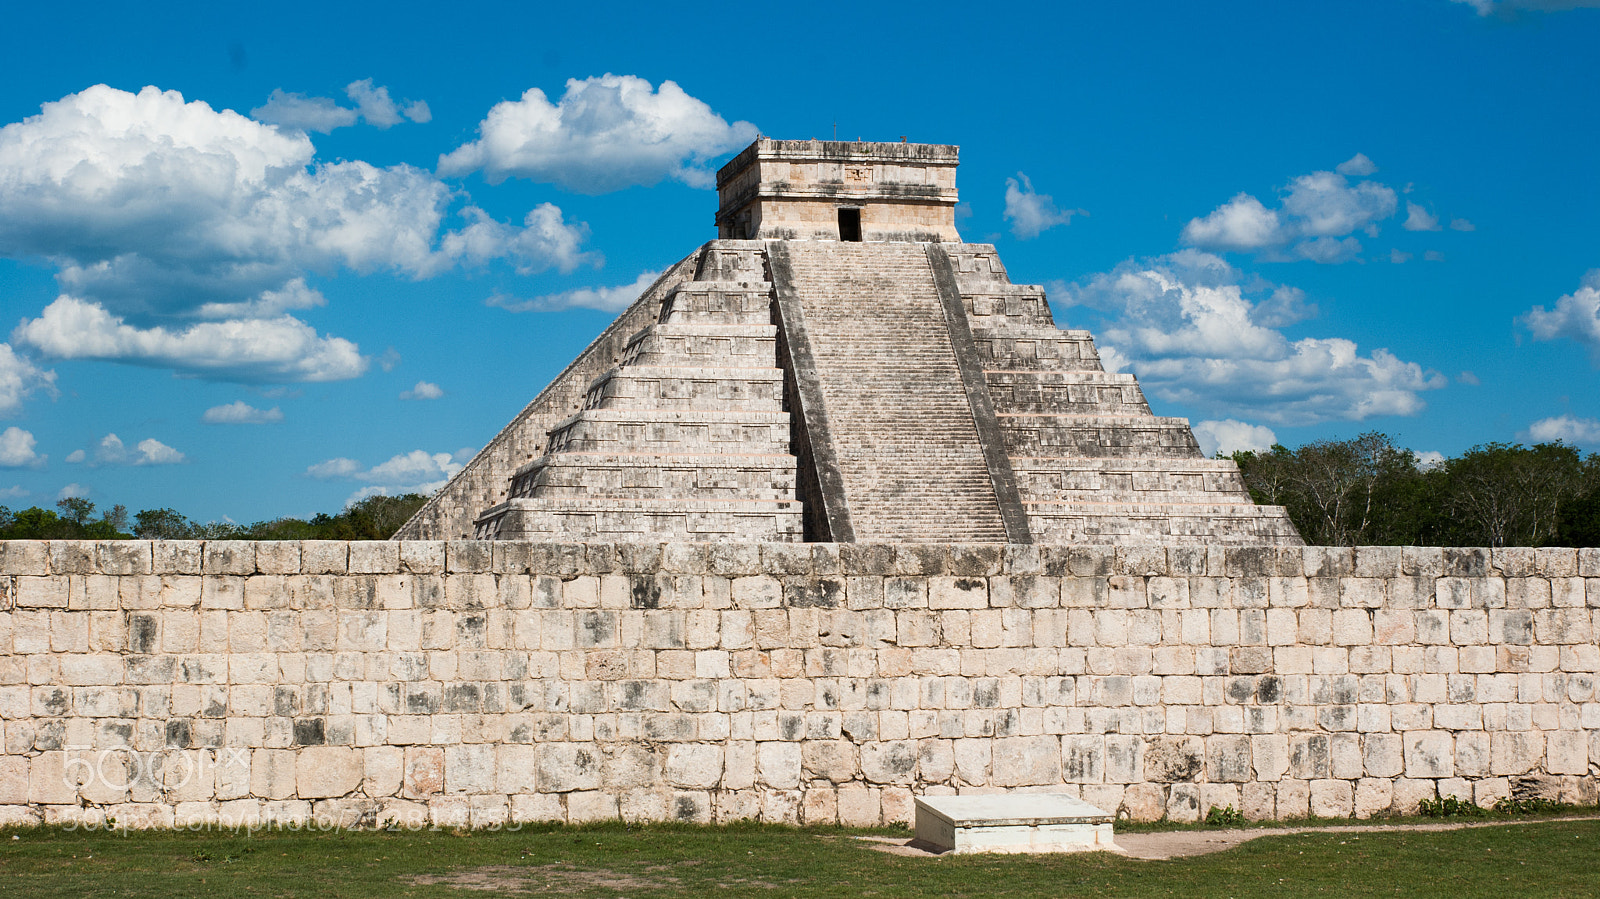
[
  {"x": 76, "y": 521},
  {"x": 1367, "y": 491},
  {"x": 1511, "y": 495},
  {"x": 374, "y": 518},
  {"x": 161, "y": 524},
  {"x": 1580, "y": 520},
  {"x": 1337, "y": 492}
]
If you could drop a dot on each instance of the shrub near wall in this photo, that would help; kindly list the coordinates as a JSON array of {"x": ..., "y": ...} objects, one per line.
[{"x": 463, "y": 682}]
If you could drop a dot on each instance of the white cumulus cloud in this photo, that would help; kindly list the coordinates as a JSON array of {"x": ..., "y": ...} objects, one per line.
[
  {"x": 1199, "y": 332},
  {"x": 291, "y": 110},
  {"x": 17, "y": 449},
  {"x": 1576, "y": 316},
  {"x": 269, "y": 304},
  {"x": 604, "y": 134},
  {"x": 1428, "y": 460},
  {"x": 374, "y": 102},
  {"x": 423, "y": 391},
  {"x": 1031, "y": 213},
  {"x": 162, "y": 212},
  {"x": 1230, "y": 436},
  {"x": 1357, "y": 166},
  {"x": 417, "y": 471},
  {"x": 112, "y": 451},
  {"x": 324, "y": 114},
  {"x": 19, "y": 378},
  {"x": 154, "y": 452},
  {"x": 339, "y": 467},
  {"x": 1565, "y": 428},
  {"x": 239, "y": 412},
  {"x": 73, "y": 491},
  {"x": 1328, "y": 205},
  {"x": 1419, "y": 219},
  {"x": 1316, "y": 219},
  {"x": 544, "y": 241},
  {"x": 1242, "y": 223},
  {"x": 271, "y": 350},
  {"x": 605, "y": 299},
  {"x": 414, "y": 467}
]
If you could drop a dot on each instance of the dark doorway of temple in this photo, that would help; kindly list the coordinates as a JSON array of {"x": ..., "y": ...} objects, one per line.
[{"x": 850, "y": 224}]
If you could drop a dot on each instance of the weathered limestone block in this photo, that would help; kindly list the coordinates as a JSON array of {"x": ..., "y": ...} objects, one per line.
[
  {"x": 695, "y": 766},
  {"x": 1029, "y": 760},
  {"x": 323, "y": 772},
  {"x": 778, "y": 764},
  {"x": 1183, "y": 803}
]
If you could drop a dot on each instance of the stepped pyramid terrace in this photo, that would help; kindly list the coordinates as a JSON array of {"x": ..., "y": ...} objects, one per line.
[{"x": 839, "y": 366}]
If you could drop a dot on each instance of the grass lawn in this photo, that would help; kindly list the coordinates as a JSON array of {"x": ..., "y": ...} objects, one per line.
[{"x": 1549, "y": 858}]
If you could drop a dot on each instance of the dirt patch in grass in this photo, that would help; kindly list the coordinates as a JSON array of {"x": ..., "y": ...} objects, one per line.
[
  {"x": 547, "y": 879},
  {"x": 562, "y": 879}
]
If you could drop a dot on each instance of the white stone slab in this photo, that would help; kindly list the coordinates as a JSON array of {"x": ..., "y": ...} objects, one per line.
[{"x": 1012, "y": 822}]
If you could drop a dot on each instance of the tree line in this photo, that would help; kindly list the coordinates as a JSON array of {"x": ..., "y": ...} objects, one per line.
[
  {"x": 1367, "y": 491},
  {"x": 373, "y": 518}
]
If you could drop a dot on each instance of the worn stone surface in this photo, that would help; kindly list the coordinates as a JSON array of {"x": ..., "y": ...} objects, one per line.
[{"x": 827, "y": 683}]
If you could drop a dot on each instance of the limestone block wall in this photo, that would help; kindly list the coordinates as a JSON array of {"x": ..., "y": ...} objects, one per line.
[{"x": 468, "y": 682}]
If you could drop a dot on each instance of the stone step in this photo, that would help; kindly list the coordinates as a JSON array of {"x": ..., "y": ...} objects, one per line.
[
  {"x": 976, "y": 262},
  {"x": 1034, "y": 491},
  {"x": 718, "y": 302},
  {"x": 687, "y": 387},
  {"x": 1036, "y": 348},
  {"x": 733, "y": 260},
  {"x": 1063, "y": 477},
  {"x": 663, "y": 344},
  {"x": 995, "y": 305},
  {"x": 1097, "y": 435},
  {"x": 649, "y": 475},
  {"x": 578, "y": 519},
  {"x": 1068, "y": 392},
  {"x": 671, "y": 431},
  {"x": 1172, "y": 524},
  {"x": 569, "y": 479}
]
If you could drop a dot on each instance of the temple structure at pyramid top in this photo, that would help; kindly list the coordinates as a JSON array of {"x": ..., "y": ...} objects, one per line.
[
  {"x": 839, "y": 366},
  {"x": 835, "y": 190}
]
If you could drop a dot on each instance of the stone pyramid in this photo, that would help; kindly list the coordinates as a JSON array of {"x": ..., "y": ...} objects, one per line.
[{"x": 838, "y": 366}]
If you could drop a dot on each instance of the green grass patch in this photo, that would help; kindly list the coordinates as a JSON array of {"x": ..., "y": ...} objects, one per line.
[{"x": 1548, "y": 858}]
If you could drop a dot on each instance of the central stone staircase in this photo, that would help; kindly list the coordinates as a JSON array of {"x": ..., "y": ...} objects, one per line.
[{"x": 901, "y": 426}]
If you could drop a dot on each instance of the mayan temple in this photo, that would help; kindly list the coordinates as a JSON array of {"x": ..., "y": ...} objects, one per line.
[{"x": 839, "y": 366}]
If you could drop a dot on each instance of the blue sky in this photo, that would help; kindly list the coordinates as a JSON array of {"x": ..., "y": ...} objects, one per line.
[{"x": 259, "y": 262}]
